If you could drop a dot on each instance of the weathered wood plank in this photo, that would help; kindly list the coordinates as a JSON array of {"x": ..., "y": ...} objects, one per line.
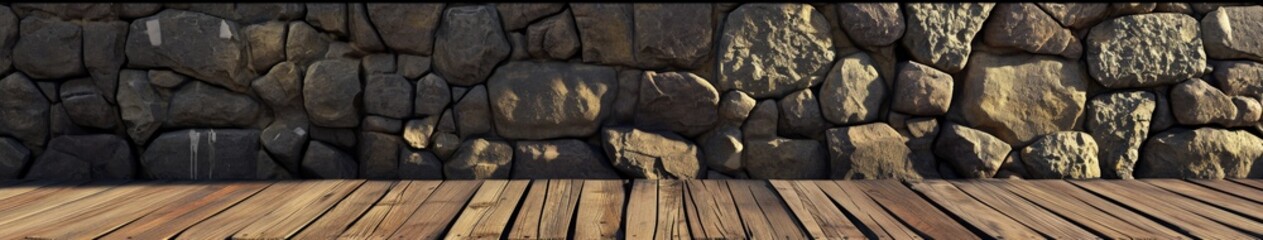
[
  {"x": 95, "y": 215},
  {"x": 1230, "y": 187},
  {"x": 338, "y": 219},
  {"x": 41, "y": 199},
  {"x": 979, "y": 215},
  {"x": 1024, "y": 212},
  {"x": 808, "y": 201},
  {"x": 600, "y": 209},
  {"x": 752, "y": 217},
  {"x": 1210, "y": 196},
  {"x": 21, "y": 218},
  {"x": 439, "y": 210},
  {"x": 234, "y": 219},
  {"x": 479, "y": 206},
  {"x": 672, "y": 223},
  {"x": 877, "y": 220},
  {"x": 1175, "y": 216},
  {"x": 385, "y": 217},
  {"x": 559, "y": 208},
  {"x": 914, "y": 210},
  {"x": 1254, "y": 183},
  {"x": 642, "y": 210},
  {"x": 297, "y": 212},
  {"x": 776, "y": 210},
  {"x": 19, "y": 187},
  {"x": 691, "y": 216},
  {"x": 167, "y": 221},
  {"x": 496, "y": 222},
  {"x": 526, "y": 226},
  {"x": 1227, "y": 218},
  {"x": 1085, "y": 213}
]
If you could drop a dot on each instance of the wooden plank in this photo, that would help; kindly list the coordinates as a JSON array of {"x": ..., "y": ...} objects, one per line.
[
  {"x": 526, "y": 226},
  {"x": 756, "y": 224},
  {"x": 600, "y": 209},
  {"x": 59, "y": 203},
  {"x": 1087, "y": 214},
  {"x": 559, "y": 208},
  {"x": 913, "y": 210},
  {"x": 1254, "y": 183},
  {"x": 295, "y": 213},
  {"x": 439, "y": 210},
  {"x": 1162, "y": 210},
  {"x": 877, "y": 220},
  {"x": 725, "y": 208},
  {"x": 21, "y": 206},
  {"x": 479, "y": 206},
  {"x": 1210, "y": 196},
  {"x": 338, "y": 219},
  {"x": 671, "y": 216},
  {"x": 808, "y": 202},
  {"x": 497, "y": 221},
  {"x": 775, "y": 210},
  {"x": 385, "y": 217},
  {"x": 18, "y": 188},
  {"x": 703, "y": 214},
  {"x": 642, "y": 210},
  {"x": 87, "y": 207},
  {"x": 1230, "y": 187},
  {"x": 167, "y": 221},
  {"x": 692, "y": 217},
  {"x": 982, "y": 217},
  {"x": 107, "y": 216},
  {"x": 229, "y": 221},
  {"x": 804, "y": 215},
  {"x": 1227, "y": 218},
  {"x": 1024, "y": 212}
]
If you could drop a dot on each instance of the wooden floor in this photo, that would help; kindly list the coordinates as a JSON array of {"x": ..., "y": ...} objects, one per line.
[{"x": 637, "y": 209}]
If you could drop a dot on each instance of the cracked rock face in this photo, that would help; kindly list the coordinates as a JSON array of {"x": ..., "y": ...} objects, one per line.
[
  {"x": 1145, "y": 50},
  {"x": 939, "y": 34},
  {"x": 769, "y": 50}
]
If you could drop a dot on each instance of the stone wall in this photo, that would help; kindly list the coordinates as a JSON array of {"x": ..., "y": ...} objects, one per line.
[{"x": 460, "y": 91}]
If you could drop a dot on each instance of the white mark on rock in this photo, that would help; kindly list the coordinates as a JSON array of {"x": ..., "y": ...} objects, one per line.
[
  {"x": 300, "y": 131},
  {"x": 224, "y": 31},
  {"x": 210, "y": 144},
  {"x": 154, "y": 30},
  {"x": 193, "y": 139}
]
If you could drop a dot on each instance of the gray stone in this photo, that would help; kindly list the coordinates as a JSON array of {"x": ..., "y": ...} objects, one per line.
[
  {"x": 734, "y": 107},
  {"x": 853, "y": 91},
  {"x": 251, "y": 13},
  {"x": 266, "y": 168},
  {"x": 59, "y": 123},
  {"x": 344, "y": 138},
  {"x": 24, "y": 110},
  {"x": 203, "y": 154},
  {"x": 137, "y": 10},
  {"x": 677, "y": 35},
  {"x": 267, "y": 44},
  {"x": 1020, "y": 97},
  {"x": 362, "y": 36},
  {"x": 8, "y": 37},
  {"x": 378, "y": 63},
  {"x": 677, "y": 101},
  {"x": 722, "y": 148},
  {"x": 281, "y": 89},
  {"x": 329, "y": 17},
  {"x": 480, "y": 159},
  {"x": 388, "y": 95},
  {"x": 166, "y": 79},
  {"x": 379, "y": 155},
  {"x": 972, "y": 153},
  {"x": 374, "y": 123},
  {"x": 418, "y": 131},
  {"x": 565, "y": 158},
  {"x": 474, "y": 114},
  {"x": 1024, "y": 26},
  {"x": 406, "y": 27},
  {"x": 432, "y": 95},
  {"x": 939, "y": 34},
  {"x": 199, "y": 45},
  {"x": 763, "y": 120},
  {"x": 444, "y": 144},
  {"x": 419, "y": 165},
  {"x": 922, "y": 90},
  {"x": 652, "y": 155},
  {"x": 1239, "y": 78},
  {"x": 324, "y": 161},
  {"x": 304, "y": 45},
  {"x": 69, "y": 11},
  {"x": 800, "y": 116},
  {"x": 628, "y": 96},
  {"x": 1012, "y": 168},
  {"x": 920, "y": 133},
  {"x": 1228, "y": 31},
  {"x": 1195, "y": 102},
  {"x": 517, "y": 41},
  {"x": 1145, "y": 50},
  {"x": 285, "y": 140},
  {"x": 769, "y": 50},
  {"x": 554, "y": 37},
  {"x": 519, "y": 15},
  {"x": 1201, "y": 153},
  {"x": 869, "y": 151},
  {"x": 100, "y": 156},
  {"x": 1120, "y": 9},
  {"x": 783, "y": 158},
  {"x": 13, "y": 158},
  {"x": 541, "y": 100},
  {"x": 871, "y": 24},
  {"x": 330, "y": 89},
  {"x": 1069, "y": 154},
  {"x": 203, "y": 105},
  {"x": 86, "y": 106},
  {"x": 103, "y": 54},
  {"x": 469, "y": 44},
  {"x": 49, "y": 48},
  {"x": 1119, "y": 123},
  {"x": 412, "y": 66},
  {"x": 605, "y": 29}
]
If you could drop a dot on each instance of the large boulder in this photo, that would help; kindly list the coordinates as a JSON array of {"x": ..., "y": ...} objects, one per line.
[
  {"x": 1049, "y": 93},
  {"x": 207, "y": 48},
  {"x": 201, "y": 105},
  {"x": 326, "y": 162},
  {"x": 1076, "y": 15},
  {"x": 677, "y": 101},
  {"x": 406, "y": 27},
  {"x": 1201, "y": 153},
  {"x": 1239, "y": 78},
  {"x": 202, "y": 154},
  {"x": 872, "y": 24},
  {"x": 940, "y": 34},
  {"x": 769, "y": 50},
  {"x": 1119, "y": 123},
  {"x": 1232, "y": 33},
  {"x": 103, "y": 54},
  {"x": 24, "y": 111},
  {"x": 480, "y": 159},
  {"x": 86, "y": 106},
  {"x": 921, "y": 90},
  {"x": 469, "y": 44},
  {"x": 554, "y": 37},
  {"x": 1145, "y": 50},
  {"x": 1068, "y": 154},
  {"x": 266, "y": 41},
  {"x": 100, "y": 156},
  {"x": 605, "y": 31},
  {"x": 783, "y": 158},
  {"x": 854, "y": 91},
  {"x": 678, "y": 35},
  {"x": 48, "y": 48},
  {"x": 1195, "y": 102},
  {"x": 566, "y": 158},
  {"x": 282, "y": 89},
  {"x": 869, "y": 151},
  {"x": 972, "y": 153},
  {"x": 542, "y": 100},
  {"x": 330, "y": 90},
  {"x": 8, "y": 37},
  {"x": 13, "y": 158},
  {"x": 1024, "y": 26},
  {"x": 388, "y": 95},
  {"x": 652, "y": 155}
]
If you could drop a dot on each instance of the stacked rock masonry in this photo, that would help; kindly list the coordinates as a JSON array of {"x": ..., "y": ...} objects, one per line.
[{"x": 621, "y": 90}]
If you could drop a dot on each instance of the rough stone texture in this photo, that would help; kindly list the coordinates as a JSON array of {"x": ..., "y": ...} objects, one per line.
[
  {"x": 103, "y": 54},
  {"x": 939, "y": 34},
  {"x": 1200, "y": 153},
  {"x": 734, "y": 108},
  {"x": 412, "y": 66},
  {"x": 566, "y": 158},
  {"x": 13, "y": 158},
  {"x": 722, "y": 149},
  {"x": 374, "y": 123},
  {"x": 419, "y": 165},
  {"x": 1119, "y": 9},
  {"x": 800, "y": 116},
  {"x": 1145, "y": 50},
  {"x": 406, "y": 27},
  {"x": 541, "y": 100},
  {"x": 266, "y": 41},
  {"x": 379, "y": 155},
  {"x": 24, "y": 110},
  {"x": 652, "y": 155},
  {"x": 1048, "y": 94},
  {"x": 627, "y": 97},
  {"x": 1119, "y": 123},
  {"x": 871, "y": 24},
  {"x": 1239, "y": 78},
  {"x": 329, "y": 90},
  {"x": 1228, "y": 33},
  {"x": 329, "y": 17},
  {"x": 518, "y": 15},
  {"x": 922, "y": 90},
  {"x": 972, "y": 153},
  {"x": 285, "y": 140},
  {"x": 81, "y": 157},
  {"x": 763, "y": 120},
  {"x": 1071, "y": 155},
  {"x": 869, "y": 151},
  {"x": 554, "y": 37},
  {"x": 675, "y": 35},
  {"x": 1195, "y": 102},
  {"x": 418, "y": 131},
  {"x": 281, "y": 89},
  {"x": 676, "y": 101},
  {"x": 388, "y": 95},
  {"x": 474, "y": 114},
  {"x": 920, "y": 134},
  {"x": 204, "y": 47},
  {"x": 8, "y": 37},
  {"x": 48, "y": 48},
  {"x": 202, "y": 154},
  {"x": 853, "y": 92},
  {"x": 1024, "y": 26},
  {"x": 605, "y": 29},
  {"x": 1076, "y": 15},
  {"x": 304, "y": 45},
  {"x": 432, "y": 95},
  {"x": 326, "y": 162},
  {"x": 783, "y": 158},
  {"x": 200, "y": 104},
  {"x": 769, "y": 50},
  {"x": 363, "y": 36},
  {"x": 469, "y": 44},
  {"x": 86, "y": 106},
  {"x": 480, "y": 159}
]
